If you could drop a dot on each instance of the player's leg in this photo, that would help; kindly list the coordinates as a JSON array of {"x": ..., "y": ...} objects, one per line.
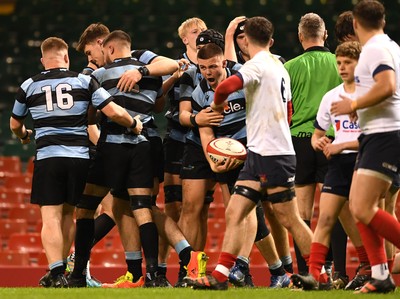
[{"x": 281, "y": 237}]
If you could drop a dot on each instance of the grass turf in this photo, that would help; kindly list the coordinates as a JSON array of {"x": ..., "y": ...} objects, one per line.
[{"x": 264, "y": 293}]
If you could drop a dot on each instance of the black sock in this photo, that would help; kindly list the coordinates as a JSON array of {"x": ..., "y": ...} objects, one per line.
[
  {"x": 83, "y": 244},
  {"x": 57, "y": 271},
  {"x": 135, "y": 267},
  {"x": 339, "y": 248},
  {"x": 184, "y": 257},
  {"x": 161, "y": 271},
  {"x": 278, "y": 271},
  {"x": 289, "y": 268},
  {"x": 102, "y": 226},
  {"x": 301, "y": 263},
  {"x": 149, "y": 240}
]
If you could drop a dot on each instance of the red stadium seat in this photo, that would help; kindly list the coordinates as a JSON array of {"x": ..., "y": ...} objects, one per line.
[
  {"x": 11, "y": 196},
  {"x": 21, "y": 183},
  {"x": 108, "y": 258},
  {"x": 14, "y": 258},
  {"x": 29, "y": 242},
  {"x": 30, "y": 165},
  {"x": 9, "y": 166},
  {"x": 216, "y": 210},
  {"x": 31, "y": 213},
  {"x": 216, "y": 226},
  {"x": 9, "y": 227}
]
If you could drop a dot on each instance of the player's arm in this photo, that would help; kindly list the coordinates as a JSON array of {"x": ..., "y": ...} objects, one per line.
[
  {"x": 18, "y": 128},
  {"x": 224, "y": 89},
  {"x": 383, "y": 88},
  {"x": 319, "y": 140},
  {"x": 161, "y": 67},
  {"x": 206, "y": 136},
  {"x": 230, "y": 52},
  {"x": 337, "y": 148}
]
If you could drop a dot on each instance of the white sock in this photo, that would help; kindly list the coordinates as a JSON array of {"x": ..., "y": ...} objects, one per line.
[{"x": 380, "y": 272}]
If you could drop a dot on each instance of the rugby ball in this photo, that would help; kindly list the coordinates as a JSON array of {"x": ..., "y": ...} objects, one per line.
[{"x": 220, "y": 149}]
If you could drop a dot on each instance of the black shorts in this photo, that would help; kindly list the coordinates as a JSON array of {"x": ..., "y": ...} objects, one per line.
[
  {"x": 270, "y": 171},
  {"x": 380, "y": 152},
  {"x": 122, "y": 166},
  {"x": 173, "y": 155},
  {"x": 59, "y": 180},
  {"x": 195, "y": 164},
  {"x": 340, "y": 173},
  {"x": 157, "y": 157},
  {"x": 311, "y": 165}
]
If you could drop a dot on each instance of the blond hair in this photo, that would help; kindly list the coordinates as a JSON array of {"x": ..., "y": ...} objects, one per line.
[
  {"x": 192, "y": 22},
  {"x": 53, "y": 43}
]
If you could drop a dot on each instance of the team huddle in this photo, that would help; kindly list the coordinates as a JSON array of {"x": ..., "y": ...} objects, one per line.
[{"x": 320, "y": 120}]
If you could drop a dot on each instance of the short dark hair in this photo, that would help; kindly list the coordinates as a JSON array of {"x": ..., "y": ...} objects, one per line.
[
  {"x": 91, "y": 34},
  {"x": 259, "y": 30},
  {"x": 349, "y": 49},
  {"x": 117, "y": 35},
  {"x": 344, "y": 26},
  {"x": 370, "y": 14},
  {"x": 209, "y": 51}
]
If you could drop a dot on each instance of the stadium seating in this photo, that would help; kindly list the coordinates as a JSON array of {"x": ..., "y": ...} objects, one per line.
[
  {"x": 9, "y": 227},
  {"x": 108, "y": 258},
  {"x": 14, "y": 258},
  {"x": 9, "y": 166},
  {"x": 21, "y": 183},
  {"x": 31, "y": 213},
  {"x": 11, "y": 196}
]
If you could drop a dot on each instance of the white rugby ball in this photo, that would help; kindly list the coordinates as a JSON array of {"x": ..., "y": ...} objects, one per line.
[{"x": 220, "y": 149}]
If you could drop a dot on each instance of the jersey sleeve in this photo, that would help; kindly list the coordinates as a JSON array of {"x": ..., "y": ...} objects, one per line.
[{"x": 323, "y": 119}]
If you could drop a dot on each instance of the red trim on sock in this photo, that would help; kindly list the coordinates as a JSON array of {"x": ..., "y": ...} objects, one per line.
[
  {"x": 317, "y": 259},
  {"x": 373, "y": 244},
  {"x": 227, "y": 260}
]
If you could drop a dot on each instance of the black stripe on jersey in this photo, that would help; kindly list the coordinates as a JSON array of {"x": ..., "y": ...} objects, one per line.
[
  {"x": 229, "y": 130},
  {"x": 187, "y": 80},
  {"x": 196, "y": 106},
  {"x": 39, "y": 99},
  {"x": 64, "y": 139},
  {"x": 137, "y": 54},
  {"x": 133, "y": 104},
  {"x": 62, "y": 121},
  {"x": 54, "y": 74},
  {"x": 147, "y": 83},
  {"x": 21, "y": 95}
]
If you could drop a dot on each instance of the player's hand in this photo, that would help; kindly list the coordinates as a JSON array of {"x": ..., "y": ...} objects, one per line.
[
  {"x": 218, "y": 108},
  {"x": 139, "y": 125},
  {"x": 332, "y": 149},
  {"x": 233, "y": 25},
  {"x": 321, "y": 143},
  {"x": 341, "y": 107},
  {"x": 226, "y": 165},
  {"x": 128, "y": 80},
  {"x": 27, "y": 140},
  {"x": 208, "y": 117}
]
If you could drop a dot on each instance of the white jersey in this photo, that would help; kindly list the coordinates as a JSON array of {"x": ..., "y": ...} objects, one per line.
[
  {"x": 345, "y": 130},
  {"x": 267, "y": 89},
  {"x": 380, "y": 51}
]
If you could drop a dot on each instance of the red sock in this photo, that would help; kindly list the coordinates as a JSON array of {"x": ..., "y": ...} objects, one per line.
[
  {"x": 226, "y": 260},
  {"x": 373, "y": 244},
  {"x": 317, "y": 259},
  {"x": 386, "y": 226},
  {"x": 362, "y": 254}
]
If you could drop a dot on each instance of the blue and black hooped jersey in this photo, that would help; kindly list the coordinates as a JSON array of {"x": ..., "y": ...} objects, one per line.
[
  {"x": 140, "y": 101},
  {"x": 234, "y": 122},
  {"x": 175, "y": 130},
  {"x": 58, "y": 101}
]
